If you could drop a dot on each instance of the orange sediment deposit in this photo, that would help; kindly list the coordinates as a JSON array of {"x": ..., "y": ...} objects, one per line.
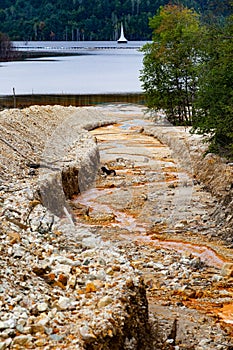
[
  {"x": 162, "y": 223},
  {"x": 170, "y": 169},
  {"x": 208, "y": 255},
  {"x": 170, "y": 177},
  {"x": 222, "y": 312},
  {"x": 226, "y": 313}
]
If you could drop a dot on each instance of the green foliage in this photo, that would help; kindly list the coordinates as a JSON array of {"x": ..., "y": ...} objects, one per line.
[
  {"x": 76, "y": 19},
  {"x": 188, "y": 73},
  {"x": 169, "y": 75},
  {"x": 214, "y": 101},
  {"x": 86, "y": 19}
]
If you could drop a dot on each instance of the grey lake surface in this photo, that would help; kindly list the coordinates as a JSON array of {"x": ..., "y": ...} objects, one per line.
[{"x": 96, "y": 67}]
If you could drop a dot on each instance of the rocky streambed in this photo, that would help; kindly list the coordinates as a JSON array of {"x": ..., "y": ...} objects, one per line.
[{"x": 80, "y": 274}]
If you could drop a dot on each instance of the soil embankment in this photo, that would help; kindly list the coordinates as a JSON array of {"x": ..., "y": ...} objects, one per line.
[
  {"x": 67, "y": 286},
  {"x": 214, "y": 172},
  {"x": 61, "y": 286}
]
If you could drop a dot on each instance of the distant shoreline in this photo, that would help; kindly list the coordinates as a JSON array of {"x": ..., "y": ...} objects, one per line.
[
  {"x": 78, "y": 100},
  {"x": 31, "y": 50},
  {"x": 18, "y": 55},
  {"x": 61, "y": 48}
]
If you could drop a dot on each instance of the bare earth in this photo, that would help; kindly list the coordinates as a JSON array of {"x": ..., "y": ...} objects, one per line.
[{"x": 159, "y": 219}]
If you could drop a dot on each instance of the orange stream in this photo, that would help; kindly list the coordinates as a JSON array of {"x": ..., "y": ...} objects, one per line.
[
  {"x": 129, "y": 222},
  {"x": 206, "y": 254},
  {"x": 124, "y": 220}
]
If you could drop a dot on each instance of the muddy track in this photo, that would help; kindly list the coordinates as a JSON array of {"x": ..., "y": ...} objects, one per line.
[{"x": 160, "y": 218}]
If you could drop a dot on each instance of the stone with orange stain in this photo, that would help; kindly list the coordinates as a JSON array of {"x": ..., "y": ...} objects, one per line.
[
  {"x": 14, "y": 237},
  {"x": 59, "y": 284},
  {"x": 63, "y": 279},
  {"x": 57, "y": 233},
  {"x": 50, "y": 278},
  {"x": 170, "y": 169},
  {"x": 227, "y": 270},
  {"x": 90, "y": 287}
]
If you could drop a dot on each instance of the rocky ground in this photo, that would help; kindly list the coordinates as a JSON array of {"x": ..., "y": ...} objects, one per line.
[
  {"x": 61, "y": 286},
  {"x": 157, "y": 215},
  {"x": 84, "y": 286}
]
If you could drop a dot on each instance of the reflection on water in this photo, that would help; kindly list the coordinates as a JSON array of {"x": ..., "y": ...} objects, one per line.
[
  {"x": 76, "y": 46},
  {"x": 93, "y": 71}
]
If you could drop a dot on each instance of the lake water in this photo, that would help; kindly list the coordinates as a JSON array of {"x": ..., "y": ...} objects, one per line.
[{"x": 99, "y": 67}]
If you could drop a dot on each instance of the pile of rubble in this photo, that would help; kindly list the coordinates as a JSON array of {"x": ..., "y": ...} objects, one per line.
[{"x": 60, "y": 286}]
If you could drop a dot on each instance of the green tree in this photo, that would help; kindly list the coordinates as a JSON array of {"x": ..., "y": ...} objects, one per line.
[
  {"x": 214, "y": 103},
  {"x": 169, "y": 74}
]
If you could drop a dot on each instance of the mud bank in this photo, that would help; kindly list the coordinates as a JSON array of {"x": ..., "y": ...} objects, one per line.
[
  {"x": 50, "y": 143},
  {"x": 211, "y": 170},
  {"x": 61, "y": 286}
]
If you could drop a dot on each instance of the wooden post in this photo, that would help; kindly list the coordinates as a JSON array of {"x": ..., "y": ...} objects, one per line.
[{"x": 14, "y": 97}]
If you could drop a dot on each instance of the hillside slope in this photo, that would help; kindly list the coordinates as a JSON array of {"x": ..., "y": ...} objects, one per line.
[{"x": 87, "y": 20}]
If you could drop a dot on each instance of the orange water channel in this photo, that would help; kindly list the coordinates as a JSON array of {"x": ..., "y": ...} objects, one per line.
[{"x": 147, "y": 173}]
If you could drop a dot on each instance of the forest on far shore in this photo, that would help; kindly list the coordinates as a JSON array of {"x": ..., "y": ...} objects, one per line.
[
  {"x": 91, "y": 20},
  {"x": 187, "y": 67}
]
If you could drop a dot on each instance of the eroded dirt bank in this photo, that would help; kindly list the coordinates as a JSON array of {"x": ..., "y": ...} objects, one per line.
[
  {"x": 61, "y": 286},
  {"x": 215, "y": 173},
  {"x": 80, "y": 287}
]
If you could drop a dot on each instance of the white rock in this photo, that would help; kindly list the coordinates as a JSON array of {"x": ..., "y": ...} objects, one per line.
[
  {"x": 72, "y": 281},
  {"x": 3, "y": 345},
  {"x": 86, "y": 333},
  {"x": 3, "y": 325},
  {"x": 105, "y": 301},
  {"x": 11, "y": 323},
  {"x": 179, "y": 226},
  {"x": 43, "y": 320},
  {"x": 158, "y": 266},
  {"x": 8, "y": 342},
  {"x": 91, "y": 242},
  {"x": 41, "y": 307},
  {"x": 204, "y": 342},
  {"x": 63, "y": 303},
  {"x": 22, "y": 339},
  {"x": 63, "y": 260},
  {"x": 61, "y": 268},
  {"x": 21, "y": 321}
]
